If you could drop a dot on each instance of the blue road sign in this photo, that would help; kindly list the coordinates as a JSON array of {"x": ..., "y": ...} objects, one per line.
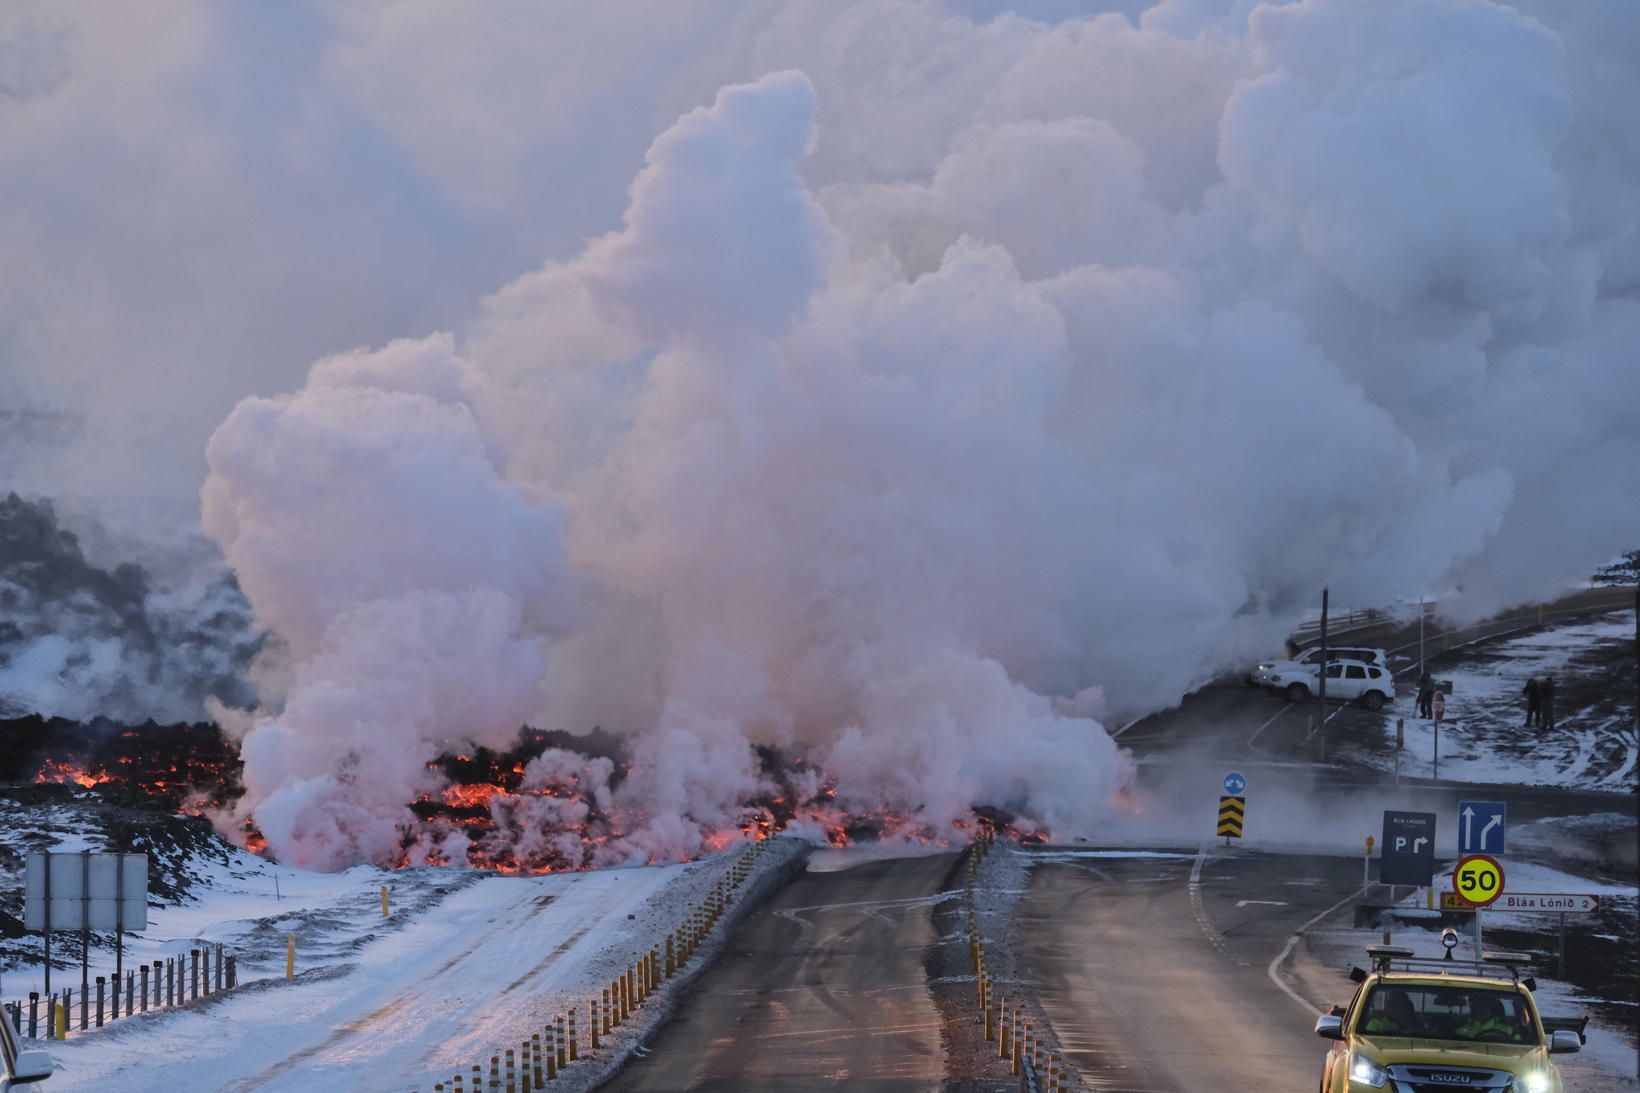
[
  {"x": 1235, "y": 784},
  {"x": 1481, "y": 825}
]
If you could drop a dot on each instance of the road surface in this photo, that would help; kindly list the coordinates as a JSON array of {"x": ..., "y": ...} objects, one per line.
[
  {"x": 823, "y": 988},
  {"x": 1155, "y": 972}
]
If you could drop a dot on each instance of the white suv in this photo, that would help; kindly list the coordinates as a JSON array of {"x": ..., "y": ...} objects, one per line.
[
  {"x": 19, "y": 1067},
  {"x": 1264, "y": 675},
  {"x": 1347, "y": 680}
]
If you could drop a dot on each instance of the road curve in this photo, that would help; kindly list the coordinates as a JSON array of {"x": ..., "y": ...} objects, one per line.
[
  {"x": 823, "y": 988},
  {"x": 1155, "y": 971}
]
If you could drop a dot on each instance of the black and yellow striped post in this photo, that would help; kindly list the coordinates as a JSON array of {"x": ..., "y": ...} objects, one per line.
[
  {"x": 1232, "y": 811},
  {"x": 539, "y": 1059},
  {"x": 561, "y": 1043},
  {"x": 592, "y": 1024}
]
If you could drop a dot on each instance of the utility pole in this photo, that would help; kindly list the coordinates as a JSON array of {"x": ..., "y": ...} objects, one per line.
[{"x": 1323, "y": 722}]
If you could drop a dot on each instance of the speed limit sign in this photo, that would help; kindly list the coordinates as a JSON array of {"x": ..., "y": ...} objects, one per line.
[{"x": 1478, "y": 879}]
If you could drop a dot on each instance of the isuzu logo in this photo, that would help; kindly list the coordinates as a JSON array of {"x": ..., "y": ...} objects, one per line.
[{"x": 1450, "y": 1079}]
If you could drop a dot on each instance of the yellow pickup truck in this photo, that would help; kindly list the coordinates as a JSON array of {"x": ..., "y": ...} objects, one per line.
[{"x": 1434, "y": 1026}]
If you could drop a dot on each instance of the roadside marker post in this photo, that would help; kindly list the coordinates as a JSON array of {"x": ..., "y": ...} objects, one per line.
[
  {"x": 1232, "y": 806},
  {"x": 1366, "y": 863}
]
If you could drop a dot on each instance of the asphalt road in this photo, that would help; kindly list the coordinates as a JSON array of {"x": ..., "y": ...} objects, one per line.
[
  {"x": 823, "y": 988},
  {"x": 1156, "y": 983}
]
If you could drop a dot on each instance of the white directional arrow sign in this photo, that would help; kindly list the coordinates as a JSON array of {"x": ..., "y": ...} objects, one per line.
[
  {"x": 1481, "y": 826},
  {"x": 1554, "y": 902}
]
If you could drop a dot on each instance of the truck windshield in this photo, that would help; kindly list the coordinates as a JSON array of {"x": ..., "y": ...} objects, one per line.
[{"x": 1471, "y": 1014}]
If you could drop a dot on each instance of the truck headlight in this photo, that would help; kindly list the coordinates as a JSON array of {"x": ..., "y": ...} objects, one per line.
[
  {"x": 1536, "y": 1082},
  {"x": 1366, "y": 1072}
]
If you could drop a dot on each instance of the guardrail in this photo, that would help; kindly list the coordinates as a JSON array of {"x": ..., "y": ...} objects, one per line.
[
  {"x": 1038, "y": 1069},
  {"x": 1440, "y": 639},
  {"x": 183, "y": 979},
  {"x": 545, "y": 1055}
]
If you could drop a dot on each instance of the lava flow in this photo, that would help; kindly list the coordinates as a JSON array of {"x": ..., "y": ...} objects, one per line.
[{"x": 545, "y": 805}]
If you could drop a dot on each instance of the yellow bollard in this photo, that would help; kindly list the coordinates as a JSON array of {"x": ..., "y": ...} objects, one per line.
[
  {"x": 606, "y": 1011},
  {"x": 560, "y": 1045},
  {"x": 290, "y": 956},
  {"x": 574, "y": 1054},
  {"x": 1005, "y": 1029},
  {"x": 384, "y": 901},
  {"x": 62, "y": 1020},
  {"x": 592, "y": 1024}
]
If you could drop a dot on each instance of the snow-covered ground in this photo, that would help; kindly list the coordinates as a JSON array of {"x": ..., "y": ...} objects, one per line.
[
  {"x": 466, "y": 964},
  {"x": 1484, "y": 739},
  {"x": 1608, "y": 1062}
]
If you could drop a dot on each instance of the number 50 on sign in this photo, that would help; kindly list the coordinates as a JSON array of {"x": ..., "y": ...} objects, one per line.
[{"x": 1478, "y": 879}]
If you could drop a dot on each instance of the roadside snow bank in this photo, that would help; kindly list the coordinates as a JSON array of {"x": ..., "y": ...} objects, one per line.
[{"x": 467, "y": 964}]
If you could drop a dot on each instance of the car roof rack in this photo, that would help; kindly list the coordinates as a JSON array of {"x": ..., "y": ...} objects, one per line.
[{"x": 1390, "y": 958}]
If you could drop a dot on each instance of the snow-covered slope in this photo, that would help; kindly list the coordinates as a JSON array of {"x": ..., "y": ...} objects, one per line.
[{"x": 465, "y": 964}]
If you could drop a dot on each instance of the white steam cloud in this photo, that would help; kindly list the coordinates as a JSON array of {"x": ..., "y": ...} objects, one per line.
[{"x": 950, "y": 385}]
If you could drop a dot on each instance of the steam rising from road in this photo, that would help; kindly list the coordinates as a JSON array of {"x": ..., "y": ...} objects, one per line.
[{"x": 950, "y": 387}]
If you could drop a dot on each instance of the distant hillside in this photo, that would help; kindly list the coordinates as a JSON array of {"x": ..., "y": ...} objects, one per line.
[{"x": 80, "y": 641}]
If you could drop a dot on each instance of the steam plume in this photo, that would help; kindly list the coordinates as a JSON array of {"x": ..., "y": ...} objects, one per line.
[{"x": 950, "y": 386}]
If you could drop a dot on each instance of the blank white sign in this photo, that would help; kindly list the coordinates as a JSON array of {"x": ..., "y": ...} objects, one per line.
[{"x": 88, "y": 891}]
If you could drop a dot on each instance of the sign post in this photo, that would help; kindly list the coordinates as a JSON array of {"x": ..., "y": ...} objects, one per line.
[
  {"x": 85, "y": 892},
  {"x": 1479, "y": 880},
  {"x": 1233, "y": 806}
]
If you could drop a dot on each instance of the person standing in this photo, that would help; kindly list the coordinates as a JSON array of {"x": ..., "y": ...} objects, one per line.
[
  {"x": 1534, "y": 703},
  {"x": 1426, "y": 695},
  {"x": 1546, "y": 695}
]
